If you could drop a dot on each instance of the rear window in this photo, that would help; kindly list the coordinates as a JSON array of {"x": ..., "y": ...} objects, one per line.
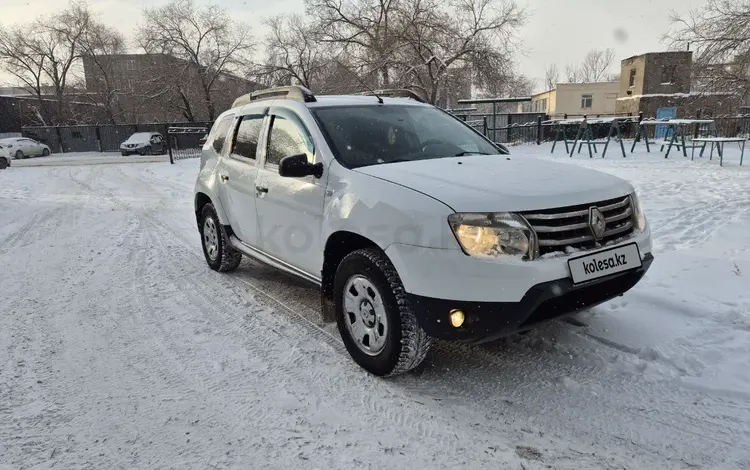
[{"x": 220, "y": 134}]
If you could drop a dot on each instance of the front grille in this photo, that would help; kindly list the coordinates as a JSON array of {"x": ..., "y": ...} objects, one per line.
[{"x": 564, "y": 227}]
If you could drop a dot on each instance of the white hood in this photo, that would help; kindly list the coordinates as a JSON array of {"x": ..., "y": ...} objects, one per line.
[{"x": 502, "y": 183}]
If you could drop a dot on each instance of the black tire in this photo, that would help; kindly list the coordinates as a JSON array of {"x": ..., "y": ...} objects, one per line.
[
  {"x": 124, "y": 154},
  {"x": 3, "y": 163},
  {"x": 45, "y": 152},
  {"x": 226, "y": 258},
  {"x": 406, "y": 344},
  {"x": 146, "y": 151},
  {"x": 20, "y": 155}
]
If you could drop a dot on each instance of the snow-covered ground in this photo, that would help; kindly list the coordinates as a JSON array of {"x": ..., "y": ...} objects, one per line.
[
  {"x": 119, "y": 348},
  {"x": 87, "y": 158}
]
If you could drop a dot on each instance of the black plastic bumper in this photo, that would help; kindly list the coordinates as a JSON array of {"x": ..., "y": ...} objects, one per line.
[{"x": 486, "y": 321}]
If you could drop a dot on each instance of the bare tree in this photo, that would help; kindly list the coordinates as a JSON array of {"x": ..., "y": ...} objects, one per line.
[
  {"x": 551, "y": 77},
  {"x": 98, "y": 44},
  {"x": 293, "y": 54},
  {"x": 46, "y": 51},
  {"x": 21, "y": 57},
  {"x": 469, "y": 35},
  {"x": 573, "y": 73},
  {"x": 367, "y": 31},
  {"x": 596, "y": 64},
  {"x": 204, "y": 37},
  {"x": 594, "y": 67},
  {"x": 719, "y": 35},
  {"x": 59, "y": 39}
]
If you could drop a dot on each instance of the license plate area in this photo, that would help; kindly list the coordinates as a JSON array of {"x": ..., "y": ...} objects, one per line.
[{"x": 605, "y": 263}]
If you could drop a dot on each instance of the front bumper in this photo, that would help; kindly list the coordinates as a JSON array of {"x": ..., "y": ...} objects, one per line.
[{"x": 486, "y": 321}]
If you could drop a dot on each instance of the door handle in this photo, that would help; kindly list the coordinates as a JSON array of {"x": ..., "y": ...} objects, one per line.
[
  {"x": 261, "y": 189},
  {"x": 224, "y": 178}
]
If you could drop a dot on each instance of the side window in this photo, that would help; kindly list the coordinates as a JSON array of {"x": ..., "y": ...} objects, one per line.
[
  {"x": 221, "y": 133},
  {"x": 287, "y": 139},
  {"x": 248, "y": 133}
]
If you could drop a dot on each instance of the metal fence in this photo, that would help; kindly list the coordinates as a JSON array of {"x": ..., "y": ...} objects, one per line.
[
  {"x": 103, "y": 138},
  {"x": 537, "y": 128},
  {"x": 185, "y": 141}
]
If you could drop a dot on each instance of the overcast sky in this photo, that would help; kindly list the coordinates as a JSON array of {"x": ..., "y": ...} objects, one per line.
[{"x": 558, "y": 31}]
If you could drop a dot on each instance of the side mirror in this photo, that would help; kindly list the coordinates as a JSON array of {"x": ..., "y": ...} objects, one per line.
[{"x": 297, "y": 166}]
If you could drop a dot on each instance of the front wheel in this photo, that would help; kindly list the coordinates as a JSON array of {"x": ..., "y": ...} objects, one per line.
[
  {"x": 19, "y": 155},
  {"x": 219, "y": 253},
  {"x": 45, "y": 152},
  {"x": 374, "y": 317},
  {"x": 3, "y": 163}
]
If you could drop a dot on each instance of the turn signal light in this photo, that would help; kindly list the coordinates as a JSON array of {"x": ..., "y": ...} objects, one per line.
[{"x": 457, "y": 318}]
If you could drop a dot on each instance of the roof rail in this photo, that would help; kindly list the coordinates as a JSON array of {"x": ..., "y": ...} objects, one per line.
[
  {"x": 293, "y": 92},
  {"x": 395, "y": 93}
]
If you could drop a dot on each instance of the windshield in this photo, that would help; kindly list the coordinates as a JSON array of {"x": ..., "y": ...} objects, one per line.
[{"x": 376, "y": 134}]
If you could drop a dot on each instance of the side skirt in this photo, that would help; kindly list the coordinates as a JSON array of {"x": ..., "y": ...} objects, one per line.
[{"x": 269, "y": 260}]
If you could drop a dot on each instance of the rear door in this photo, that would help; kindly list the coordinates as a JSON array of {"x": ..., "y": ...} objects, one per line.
[
  {"x": 237, "y": 175},
  {"x": 290, "y": 210},
  {"x": 28, "y": 147}
]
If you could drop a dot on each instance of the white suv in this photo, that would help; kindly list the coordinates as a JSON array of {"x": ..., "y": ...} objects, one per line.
[{"x": 414, "y": 225}]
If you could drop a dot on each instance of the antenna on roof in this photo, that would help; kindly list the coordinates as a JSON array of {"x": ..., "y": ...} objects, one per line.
[{"x": 361, "y": 82}]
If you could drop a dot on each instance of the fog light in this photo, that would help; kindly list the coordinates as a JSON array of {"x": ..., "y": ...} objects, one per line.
[{"x": 457, "y": 318}]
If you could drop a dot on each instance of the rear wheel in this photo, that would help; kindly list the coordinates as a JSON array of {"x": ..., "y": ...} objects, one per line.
[
  {"x": 219, "y": 253},
  {"x": 374, "y": 317},
  {"x": 19, "y": 155},
  {"x": 3, "y": 163}
]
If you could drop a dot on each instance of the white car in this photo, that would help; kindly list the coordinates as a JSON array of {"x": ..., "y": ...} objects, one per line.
[
  {"x": 414, "y": 225},
  {"x": 144, "y": 143},
  {"x": 23, "y": 147}
]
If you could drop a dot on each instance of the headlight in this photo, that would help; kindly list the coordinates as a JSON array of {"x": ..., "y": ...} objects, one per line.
[
  {"x": 493, "y": 234},
  {"x": 638, "y": 216}
]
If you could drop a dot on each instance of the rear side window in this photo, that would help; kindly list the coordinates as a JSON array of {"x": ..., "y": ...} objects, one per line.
[
  {"x": 248, "y": 134},
  {"x": 220, "y": 136}
]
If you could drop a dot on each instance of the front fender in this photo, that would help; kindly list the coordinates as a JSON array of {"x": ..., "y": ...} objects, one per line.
[{"x": 384, "y": 212}]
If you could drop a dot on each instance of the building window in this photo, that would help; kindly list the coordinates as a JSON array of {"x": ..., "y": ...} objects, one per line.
[
  {"x": 632, "y": 78},
  {"x": 611, "y": 96},
  {"x": 667, "y": 74},
  {"x": 587, "y": 101},
  {"x": 130, "y": 64},
  {"x": 543, "y": 107}
]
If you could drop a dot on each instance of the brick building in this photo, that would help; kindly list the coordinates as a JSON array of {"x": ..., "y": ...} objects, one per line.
[{"x": 659, "y": 84}]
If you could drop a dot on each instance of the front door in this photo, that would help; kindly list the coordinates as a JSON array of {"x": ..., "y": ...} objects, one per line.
[
  {"x": 290, "y": 210},
  {"x": 237, "y": 174},
  {"x": 663, "y": 132}
]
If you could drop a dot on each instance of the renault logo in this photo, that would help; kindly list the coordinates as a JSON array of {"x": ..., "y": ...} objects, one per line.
[{"x": 597, "y": 222}]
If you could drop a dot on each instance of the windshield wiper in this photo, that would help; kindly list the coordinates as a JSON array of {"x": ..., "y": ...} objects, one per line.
[{"x": 463, "y": 154}]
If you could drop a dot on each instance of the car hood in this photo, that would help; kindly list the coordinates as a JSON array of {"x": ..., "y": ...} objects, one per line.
[{"x": 501, "y": 183}]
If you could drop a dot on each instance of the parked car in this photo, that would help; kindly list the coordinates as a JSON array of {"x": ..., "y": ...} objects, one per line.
[
  {"x": 23, "y": 147},
  {"x": 414, "y": 225},
  {"x": 144, "y": 143}
]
